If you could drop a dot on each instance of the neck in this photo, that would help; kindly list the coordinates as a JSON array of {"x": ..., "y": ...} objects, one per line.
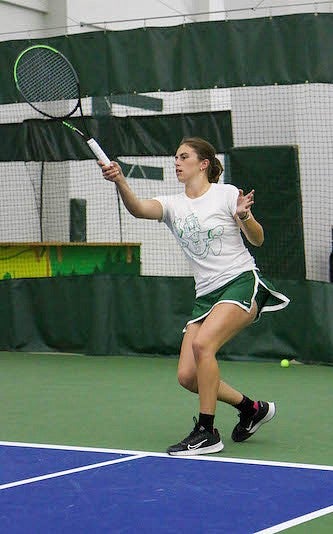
[{"x": 197, "y": 189}]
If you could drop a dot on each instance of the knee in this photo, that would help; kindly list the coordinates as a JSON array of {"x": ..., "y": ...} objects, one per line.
[
  {"x": 200, "y": 350},
  {"x": 187, "y": 380}
]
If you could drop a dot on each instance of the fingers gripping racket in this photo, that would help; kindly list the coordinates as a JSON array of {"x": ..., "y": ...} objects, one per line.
[{"x": 49, "y": 83}]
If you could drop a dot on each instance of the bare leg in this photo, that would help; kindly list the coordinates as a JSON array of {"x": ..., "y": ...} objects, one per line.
[
  {"x": 228, "y": 394},
  {"x": 198, "y": 371},
  {"x": 224, "y": 322}
]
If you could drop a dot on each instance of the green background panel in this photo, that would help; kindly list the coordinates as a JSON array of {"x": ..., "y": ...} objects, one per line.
[
  {"x": 47, "y": 140},
  {"x": 273, "y": 172},
  {"x": 78, "y": 219},
  {"x": 126, "y": 314},
  {"x": 230, "y": 53},
  {"x": 161, "y": 134}
]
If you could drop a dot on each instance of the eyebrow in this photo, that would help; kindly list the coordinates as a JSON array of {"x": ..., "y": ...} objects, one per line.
[{"x": 182, "y": 154}]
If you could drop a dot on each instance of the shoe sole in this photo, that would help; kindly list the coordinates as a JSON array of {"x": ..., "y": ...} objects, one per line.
[
  {"x": 204, "y": 450},
  {"x": 269, "y": 415}
]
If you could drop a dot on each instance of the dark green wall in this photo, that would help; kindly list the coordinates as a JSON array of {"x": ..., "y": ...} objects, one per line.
[
  {"x": 118, "y": 314},
  {"x": 273, "y": 172},
  {"x": 48, "y": 140},
  {"x": 263, "y": 51}
]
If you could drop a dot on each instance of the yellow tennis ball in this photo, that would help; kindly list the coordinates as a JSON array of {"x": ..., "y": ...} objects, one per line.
[{"x": 284, "y": 363}]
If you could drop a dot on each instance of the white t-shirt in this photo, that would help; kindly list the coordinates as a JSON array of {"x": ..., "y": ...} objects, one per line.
[{"x": 208, "y": 234}]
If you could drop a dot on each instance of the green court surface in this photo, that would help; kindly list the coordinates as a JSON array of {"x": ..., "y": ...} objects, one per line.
[{"x": 136, "y": 403}]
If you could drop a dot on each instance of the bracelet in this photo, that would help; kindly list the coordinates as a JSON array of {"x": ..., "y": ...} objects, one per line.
[{"x": 246, "y": 218}]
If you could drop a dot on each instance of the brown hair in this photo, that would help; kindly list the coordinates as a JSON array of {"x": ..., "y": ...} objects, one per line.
[{"x": 205, "y": 150}]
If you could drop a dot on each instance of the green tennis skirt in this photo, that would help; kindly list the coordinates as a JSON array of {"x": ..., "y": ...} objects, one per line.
[{"x": 242, "y": 291}]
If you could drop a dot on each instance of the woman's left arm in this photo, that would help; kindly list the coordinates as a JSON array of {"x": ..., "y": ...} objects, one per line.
[{"x": 249, "y": 225}]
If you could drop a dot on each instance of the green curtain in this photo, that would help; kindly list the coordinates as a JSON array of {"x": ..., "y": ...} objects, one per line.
[
  {"x": 47, "y": 140},
  {"x": 283, "y": 50},
  {"x": 126, "y": 314}
]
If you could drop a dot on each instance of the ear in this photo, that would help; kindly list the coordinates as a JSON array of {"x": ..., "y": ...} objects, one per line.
[{"x": 204, "y": 164}]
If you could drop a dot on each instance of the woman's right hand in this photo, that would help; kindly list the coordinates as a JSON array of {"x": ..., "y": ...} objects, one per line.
[{"x": 111, "y": 172}]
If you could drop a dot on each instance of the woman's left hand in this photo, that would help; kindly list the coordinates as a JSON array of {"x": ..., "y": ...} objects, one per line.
[{"x": 244, "y": 203}]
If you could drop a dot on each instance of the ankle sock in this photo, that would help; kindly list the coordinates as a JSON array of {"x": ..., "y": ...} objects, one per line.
[
  {"x": 247, "y": 406},
  {"x": 207, "y": 421}
]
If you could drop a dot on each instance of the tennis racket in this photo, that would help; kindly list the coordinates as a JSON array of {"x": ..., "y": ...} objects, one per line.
[{"x": 49, "y": 83}]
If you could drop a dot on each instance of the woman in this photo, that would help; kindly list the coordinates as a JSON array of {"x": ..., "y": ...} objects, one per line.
[{"x": 207, "y": 220}]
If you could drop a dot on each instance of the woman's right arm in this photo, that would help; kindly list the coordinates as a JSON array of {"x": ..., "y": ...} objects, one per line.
[{"x": 142, "y": 209}]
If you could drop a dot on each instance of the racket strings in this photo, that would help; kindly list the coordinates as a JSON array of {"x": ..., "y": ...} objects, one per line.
[{"x": 46, "y": 79}]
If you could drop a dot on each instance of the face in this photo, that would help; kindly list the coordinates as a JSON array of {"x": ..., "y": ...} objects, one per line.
[{"x": 187, "y": 163}]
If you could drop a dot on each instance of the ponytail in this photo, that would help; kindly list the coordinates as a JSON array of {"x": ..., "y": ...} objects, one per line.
[{"x": 215, "y": 170}]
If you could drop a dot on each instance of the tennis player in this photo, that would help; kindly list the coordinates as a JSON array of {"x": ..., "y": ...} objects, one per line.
[{"x": 208, "y": 220}]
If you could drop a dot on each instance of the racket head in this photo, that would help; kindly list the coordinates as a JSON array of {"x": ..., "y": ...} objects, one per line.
[{"x": 47, "y": 81}]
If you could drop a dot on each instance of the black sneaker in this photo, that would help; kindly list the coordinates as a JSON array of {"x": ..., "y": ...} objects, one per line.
[
  {"x": 248, "y": 425},
  {"x": 200, "y": 441}
]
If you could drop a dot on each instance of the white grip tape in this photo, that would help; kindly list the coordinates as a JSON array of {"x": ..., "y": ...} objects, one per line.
[{"x": 99, "y": 153}]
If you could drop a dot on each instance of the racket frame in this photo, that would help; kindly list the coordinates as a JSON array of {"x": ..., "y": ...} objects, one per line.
[
  {"x": 92, "y": 143},
  {"x": 76, "y": 78}
]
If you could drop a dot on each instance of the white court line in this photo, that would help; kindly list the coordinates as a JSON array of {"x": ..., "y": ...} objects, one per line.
[
  {"x": 69, "y": 472},
  {"x": 297, "y": 521},
  {"x": 165, "y": 455}
]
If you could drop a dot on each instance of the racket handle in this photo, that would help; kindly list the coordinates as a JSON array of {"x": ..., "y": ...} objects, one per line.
[{"x": 99, "y": 153}]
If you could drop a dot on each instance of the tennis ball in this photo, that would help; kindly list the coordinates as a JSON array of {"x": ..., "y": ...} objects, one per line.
[{"x": 284, "y": 363}]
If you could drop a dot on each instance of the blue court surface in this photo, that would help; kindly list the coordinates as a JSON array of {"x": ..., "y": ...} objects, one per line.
[{"x": 51, "y": 489}]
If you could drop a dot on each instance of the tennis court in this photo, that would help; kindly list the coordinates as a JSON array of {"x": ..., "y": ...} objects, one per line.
[
  {"x": 45, "y": 489},
  {"x": 83, "y": 446},
  {"x": 93, "y": 301}
]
